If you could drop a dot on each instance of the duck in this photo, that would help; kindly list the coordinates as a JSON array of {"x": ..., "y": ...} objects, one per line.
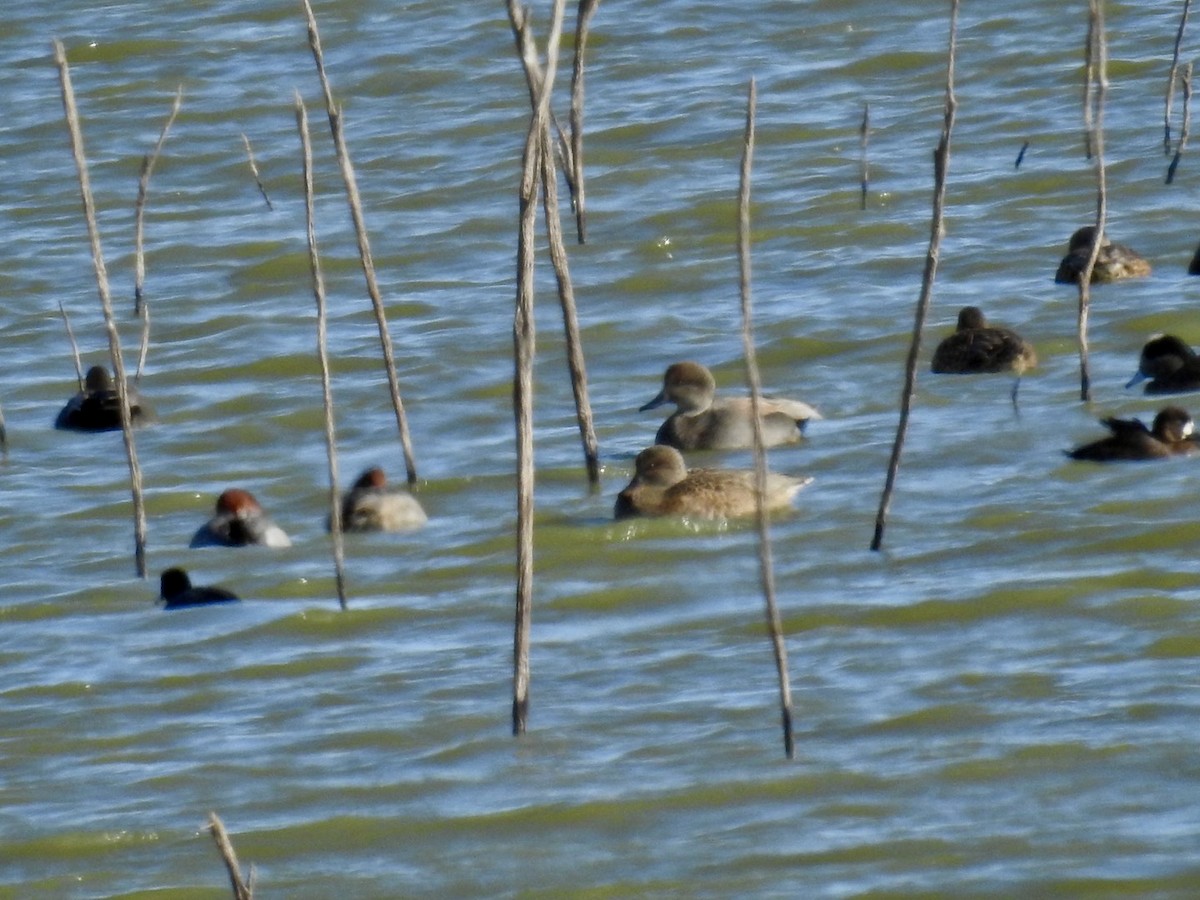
[
  {"x": 976, "y": 347},
  {"x": 1170, "y": 435},
  {"x": 701, "y": 422},
  {"x": 98, "y": 406},
  {"x": 1170, "y": 365},
  {"x": 1114, "y": 262},
  {"x": 177, "y": 592},
  {"x": 369, "y": 506},
  {"x": 662, "y": 485},
  {"x": 239, "y": 521}
]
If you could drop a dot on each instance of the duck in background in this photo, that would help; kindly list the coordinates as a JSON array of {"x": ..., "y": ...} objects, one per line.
[
  {"x": 98, "y": 406},
  {"x": 701, "y": 422},
  {"x": 1131, "y": 440},
  {"x": 239, "y": 521},
  {"x": 663, "y": 486},
  {"x": 369, "y": 506},
  {"x": 1171, "y": 366},
  {"x": 176, "y": 591},
  {"x": 1114, "y": 262},
  {"x": 978, "y": 347}
]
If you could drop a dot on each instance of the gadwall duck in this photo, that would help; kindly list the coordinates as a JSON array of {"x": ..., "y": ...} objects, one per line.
[
  {"x": 98, "y": 406},
  {"x": 1114, "y": 262},
  {"x": 176, "y": 591},
  {"x": 976, "y": 346},
  {"x": 369, "y": 506},
  {"x": 701, "y": 422},
  {"x": 238, "y": 522},
  {"x": 1171, "y": 366},
  {"x": 1170, "y": 435},
  {"x": 663, "y": 486}
]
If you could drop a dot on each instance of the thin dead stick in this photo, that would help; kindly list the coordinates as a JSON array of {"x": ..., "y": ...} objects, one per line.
[
  {"x": 523, "y": 351},
  {"x": 241, "y": 890},
  {"x": 144, "y": 347},
  {"x": 364, "y": 246},
  {"x": 767, "y": 570},
  {"x": 318, "y": 280},
  {"x": 1089, "y": 83},
  {"x": 1187, "y": 123},
  {"x": 864, "y": 171},
  {"x": 254, "y": 171},
  {"x": 3, "y": 436},
  {"x": 1100, "y": 73},
  {"x": 1021, "y": 155},
  {"x": 114, "y": 340},
  {"x": 74, "y": 346},
  {"x": 139, "y": 207},
  {"x": 1171, "y": 77},
  {"x": 941, "y": 159},
  {"x": 583, "y": 19}
]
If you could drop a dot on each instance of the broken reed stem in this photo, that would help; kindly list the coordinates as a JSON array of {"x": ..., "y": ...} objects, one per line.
[
  {"x": 1089, "y": 81},
  {"x": 523, "y": 352},
  {"x": 114, "y": 340},
  {"x": 74, "y": 346},
  {"x": 941, "y": 159},
  {"x": 364, "y": 245},
  {"x": 766, "y": 568},
  {"x": 1171, "y": 77},
  {"x": 1021, "y": 154},
  {"x": 139, "y": 206},
  {"x": 241, "y": 890},
  {"x": 864, "y": 171},
  {"x": 144, "y": 346},
  {"x": 318, "y": 282},
  {"x": 583, "y": 19},
  {"x": 1099, "y": 51},
  {"x": 254, "y": 171},
  {"x": 1187, "y": 123},
  {"x": 3, "y": 436}
]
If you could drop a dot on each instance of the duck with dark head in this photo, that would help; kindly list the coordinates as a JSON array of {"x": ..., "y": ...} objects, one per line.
[{"x": 1131, "y": 440}]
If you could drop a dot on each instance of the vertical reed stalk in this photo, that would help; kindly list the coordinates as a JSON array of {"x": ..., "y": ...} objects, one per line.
[
  {"x": 114, "y": 340},
  {"x": 74, "y": 346},
  {"x": 364, "y": 246},
  {"x": 583, "y": 19},
  {"x": 1187, "y": 123},
  {"x": 1171, "y": 77},
  {"x": 523, "y": 351},
  {"x": 139, "y": 207},
  {"x": 254, "y": 171},
  {"x": 3, "y": 436},
  {"x": 241, "y": 889},
  {"x": 518, "y": 17},
  {"x": 1089, "y": 83},
  {"x": 864, "y": 169},
  {"x": 941, "y": 160},
  {"x": 766, "y": 568},
  {"x": 318, "y": 282}
]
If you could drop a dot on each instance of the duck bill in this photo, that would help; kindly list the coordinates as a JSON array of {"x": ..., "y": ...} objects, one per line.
[
  {"x": 1138, "y": 377},
  {"x": 656, "y": 402}
]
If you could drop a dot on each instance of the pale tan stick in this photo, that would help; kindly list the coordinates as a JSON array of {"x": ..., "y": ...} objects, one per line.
[
  {"x": 941, "y": 159},
  {"x": 1171, "y": 76},
  {"x": 523, "y": 351},
  {"x": 766, "y": 569},
  {"x": 1089, "y": 84},
  {"x": 318, "y": 281},
  {"x": 241, "y": 890},
  {"x": 144, "y": 347},
  {"x": 518, "y": 17},
  {"x": 254, "y": 171},
  {"x": 139, "y": 207},
  {"x": 114, "y": 340},
  {"x": 864, "y": 171},
  {"x": 74, "y": 346},
  {"x": 364, "y": 245},
  {"x": 583, "y": 19},
  {"x": 1187, "y": 123}
]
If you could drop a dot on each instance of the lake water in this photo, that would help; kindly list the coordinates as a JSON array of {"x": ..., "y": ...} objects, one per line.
[{"x": 1003, "y": 703}]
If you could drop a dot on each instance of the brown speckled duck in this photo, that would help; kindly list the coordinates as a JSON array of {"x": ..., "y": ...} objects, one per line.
[
  {"x": 1114, "y": 262},
  {"x": 976, "y": 346}
]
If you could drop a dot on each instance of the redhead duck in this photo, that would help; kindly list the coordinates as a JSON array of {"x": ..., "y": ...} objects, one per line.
[
  {"x": 1114, "y": 262},
  {"x": 663, "y": 486},
  {"x": 976, "y": 346},
  {"x": 1170, "y": 435},
  {"x": 98, "y": 406},
  {"x": 1170, "y": 364},
  {"x": 176, "y": 591},
  {"x": 701, "y": 422},
  {"x": 239, "y": 521},
  {"x": 369, "y": 506}
]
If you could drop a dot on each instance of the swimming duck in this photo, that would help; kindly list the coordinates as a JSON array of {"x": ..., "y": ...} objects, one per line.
[
  {"x": 976, "y": 346},
  {"x": 98, "y": 406},
  {"x": 369, "y": 506},
  {"x": 239, "y": 521},
  {"x": 1114, "y": 262},
  {"x": 1170, "y": 435},
  {"x": 663, "y": 486},
  {"x": 176, "y": 591},
  {"x": 701, "y": 422},
  {"x": 1170, "y": 364}
]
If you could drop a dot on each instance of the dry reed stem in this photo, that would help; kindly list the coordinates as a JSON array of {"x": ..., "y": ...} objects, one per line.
[
  {"x": 139, "y": 206},
  {"x": 1171, "y": 77},
  {"x": 74, "y": 346},
  {"x": 1089, "y": 82},
  {"x": 114, "y": 339},
  {"x": 583, "y": 19},
  {"x": 864, "y": 170},
  {"x": 144, "y": 344},
  {"x": 318, "y": 282},
  {"x": 364, "y": 244},
  {"x": 1187, "y": 123},
  {"x": 518, "y": 17},
  {"x": 241, "y": 890},
  {"x": 1099, "y": 52},
  {"x": 523, "y": 352},
  {"x": 941, "y": 160},
  {"x": 766, "y": 568},
  {"x": 254, "y": 171}
]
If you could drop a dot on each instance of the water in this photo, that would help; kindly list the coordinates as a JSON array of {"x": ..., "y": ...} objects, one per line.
[{"x": 1000, "y": 704}]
